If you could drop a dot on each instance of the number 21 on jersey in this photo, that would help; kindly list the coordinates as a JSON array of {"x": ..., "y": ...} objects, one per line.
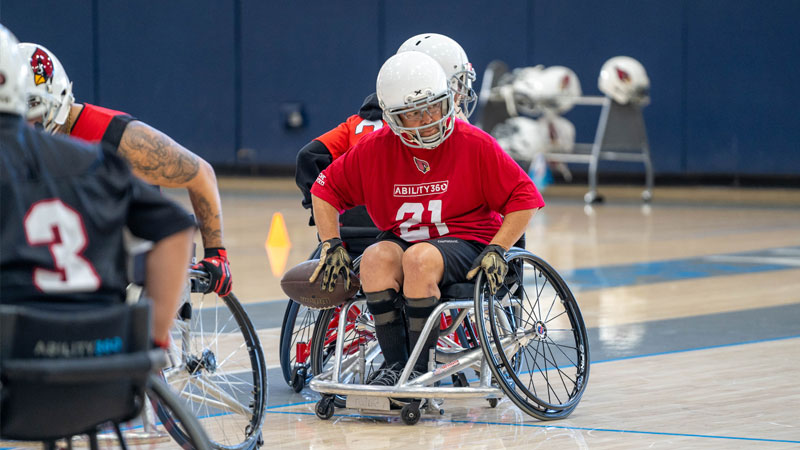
[
  {"x": 56, "y": 225},
  {"x": 417, "y": 210}
]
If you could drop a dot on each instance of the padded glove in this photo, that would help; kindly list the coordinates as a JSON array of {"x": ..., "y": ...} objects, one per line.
[
  {"x": 219, "y": 271},
  {"x": 493, "y": 263},
  {"x": 333, "y": 259}
]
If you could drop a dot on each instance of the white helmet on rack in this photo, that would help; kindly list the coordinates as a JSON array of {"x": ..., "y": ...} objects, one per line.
[
  {"x": 453, "y": 59},
  {"x": 12, "y": 75},
  {"x": 538, "y": 89},
  {"x": 522, "y": 138},
  {"x": 49, "y": 89},
  {"x": 624, "y": 80},
  {"x": 414, "y": 83},
  {"x": 560, "y": 133}
]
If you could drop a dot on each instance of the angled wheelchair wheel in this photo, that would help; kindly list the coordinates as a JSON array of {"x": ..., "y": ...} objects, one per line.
[
  {"x": 534, "y": 338},
  {"x": 361, "y": 353},
  {"x": 181, "y": 424},
  {"x": 218, "y": 368},
  {"x": 295, "y": 343}
]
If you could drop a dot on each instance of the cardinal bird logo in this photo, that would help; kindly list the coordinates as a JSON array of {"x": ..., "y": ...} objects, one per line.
[
  {"x": 42, "y": 67},
  {"x": 422, "y": 165},
  {"x": 565, "y": 82},
  {"x": 623, "y": 75},
  {"x": 551, "y": 129}
]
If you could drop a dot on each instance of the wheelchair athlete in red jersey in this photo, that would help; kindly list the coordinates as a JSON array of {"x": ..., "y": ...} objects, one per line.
[{"x": 448, "y": 199}]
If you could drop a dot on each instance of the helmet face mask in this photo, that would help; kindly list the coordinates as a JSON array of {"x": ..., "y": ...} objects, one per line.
[
  {"x": 12, "y": 75},
  {"x": 449, "y": 54},
  {"x": 461, "y": 84},
  {"x": 424, "y": 135},
  {"x": 49, "y": 89},
  {"x": 416, "y": 99}
]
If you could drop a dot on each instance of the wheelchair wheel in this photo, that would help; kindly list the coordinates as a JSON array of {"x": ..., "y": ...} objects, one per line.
[
  {"x": 295, "y": 343},
  {"x": 359, "y": 337},
  {"x": 218, "y": 368},
  {"x": 182, "y": 425},
  {"x": 534, "y": 338}
]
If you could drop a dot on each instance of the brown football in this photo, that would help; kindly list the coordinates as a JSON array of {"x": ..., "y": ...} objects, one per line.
[{"x": 296, "y": 285}]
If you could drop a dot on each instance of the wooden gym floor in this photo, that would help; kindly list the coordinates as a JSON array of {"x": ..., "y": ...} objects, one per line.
[{"x": 692, "y": 305}]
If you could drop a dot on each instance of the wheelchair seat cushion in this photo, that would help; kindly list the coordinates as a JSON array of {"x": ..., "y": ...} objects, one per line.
[{"x": 458, "y": 291}]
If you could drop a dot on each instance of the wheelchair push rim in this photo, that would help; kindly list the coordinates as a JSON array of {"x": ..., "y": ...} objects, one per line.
[{"x": 535, "y": 339}]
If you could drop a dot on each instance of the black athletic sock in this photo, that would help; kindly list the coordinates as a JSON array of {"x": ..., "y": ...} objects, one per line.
[
  {"x": 418, "y": 310},
  {"x": 386, "y": 308}
]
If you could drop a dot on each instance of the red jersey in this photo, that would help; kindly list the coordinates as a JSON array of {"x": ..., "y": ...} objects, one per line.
[
  {"x": 459, "y": 189},
  {"x": 96, "y": 124},
  {"x": 348, "y": 133}
]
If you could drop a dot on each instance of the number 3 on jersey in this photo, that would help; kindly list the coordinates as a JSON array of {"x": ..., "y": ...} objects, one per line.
[
  {"x": 52, "y": 223},
  {"x": 417, "y": 210}
]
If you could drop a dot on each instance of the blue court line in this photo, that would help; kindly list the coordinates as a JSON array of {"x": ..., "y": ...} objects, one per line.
[
  {"x": 734, "y": 344},
  {"x": 560, "y": 427},
  {"x": 601, "y": 277},
  {"x": 669, "y": 270},
  {"x": 608, "y": 430}
]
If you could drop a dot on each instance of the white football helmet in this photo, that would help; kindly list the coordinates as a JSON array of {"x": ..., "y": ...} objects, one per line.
[
  {"x": 560, "y": 133},
  {"x": 453, "y": 60},
  {"x": 414, "y": 83},
  {"x": 538, "y": 89},
  {"x": 522, "y": 138},
  {"x": 12, "y": 75},
  {"x": 624, "y": 80},
  {"x": 49, "y": 89}
]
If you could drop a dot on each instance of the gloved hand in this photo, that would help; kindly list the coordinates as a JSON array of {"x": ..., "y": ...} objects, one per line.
[
  {"x": 333, "y": 259},
  {"x": 493, "y": 263},
  {"x": 216, "y": 264}
]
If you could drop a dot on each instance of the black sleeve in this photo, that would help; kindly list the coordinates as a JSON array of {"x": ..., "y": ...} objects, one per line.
[
  {"x": 113, "y": 135},
  {"x": 311, "y": 160},
  {"x": 153, "y": 216}
]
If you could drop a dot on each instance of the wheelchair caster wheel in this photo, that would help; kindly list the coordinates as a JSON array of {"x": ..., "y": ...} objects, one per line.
[
  {"x": 410, "y": 413},
  {"x": 324, "y": 408},
  {"x": 593, "y": 198},
  {"x": 298, "y": 380},
  {"x": 493, "y": 402}
]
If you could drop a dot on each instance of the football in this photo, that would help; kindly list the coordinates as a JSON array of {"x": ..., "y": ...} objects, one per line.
[{"x": 296, "y": 285}]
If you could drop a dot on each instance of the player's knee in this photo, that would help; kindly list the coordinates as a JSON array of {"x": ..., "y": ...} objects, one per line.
[
  {"x": 381, "y": 254},
  {"x": 423, "y": 260}
]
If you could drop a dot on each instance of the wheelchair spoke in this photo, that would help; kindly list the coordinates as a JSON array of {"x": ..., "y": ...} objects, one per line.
[
  {"x": 540, "y": 353},
  {"x": 225, "y": 401}
]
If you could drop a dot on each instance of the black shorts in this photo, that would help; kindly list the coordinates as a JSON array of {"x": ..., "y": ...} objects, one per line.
[{"x": 458, "y": 254}]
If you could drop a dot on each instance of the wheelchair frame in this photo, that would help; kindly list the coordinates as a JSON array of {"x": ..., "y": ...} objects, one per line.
[
  {"x": 134, "y": 370},
  {"x": 502, "y": 312}
]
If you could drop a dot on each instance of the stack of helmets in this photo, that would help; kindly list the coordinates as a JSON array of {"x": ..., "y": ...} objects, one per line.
[{"x": 536, "y": 97}]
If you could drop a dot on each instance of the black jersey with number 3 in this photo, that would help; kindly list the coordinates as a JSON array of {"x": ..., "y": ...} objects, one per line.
[{"x": 63, "y": 207}]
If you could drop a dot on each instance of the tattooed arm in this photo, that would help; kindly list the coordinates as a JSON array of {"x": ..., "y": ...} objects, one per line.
[{"x": 159, "y": 160}]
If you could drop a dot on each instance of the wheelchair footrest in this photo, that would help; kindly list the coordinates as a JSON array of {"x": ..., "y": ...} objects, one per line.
[{"x": 407, "y": 391}]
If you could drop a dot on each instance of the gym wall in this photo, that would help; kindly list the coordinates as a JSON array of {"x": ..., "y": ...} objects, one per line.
[{"x": 226, "y": 78}]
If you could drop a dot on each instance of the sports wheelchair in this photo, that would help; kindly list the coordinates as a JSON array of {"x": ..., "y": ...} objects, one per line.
[
  {"x": 299, "y": 321},
  {"x": 216, "y": 366},
  {"x": 528, "y": 342},
  {"x": 66, "y": 373}
]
